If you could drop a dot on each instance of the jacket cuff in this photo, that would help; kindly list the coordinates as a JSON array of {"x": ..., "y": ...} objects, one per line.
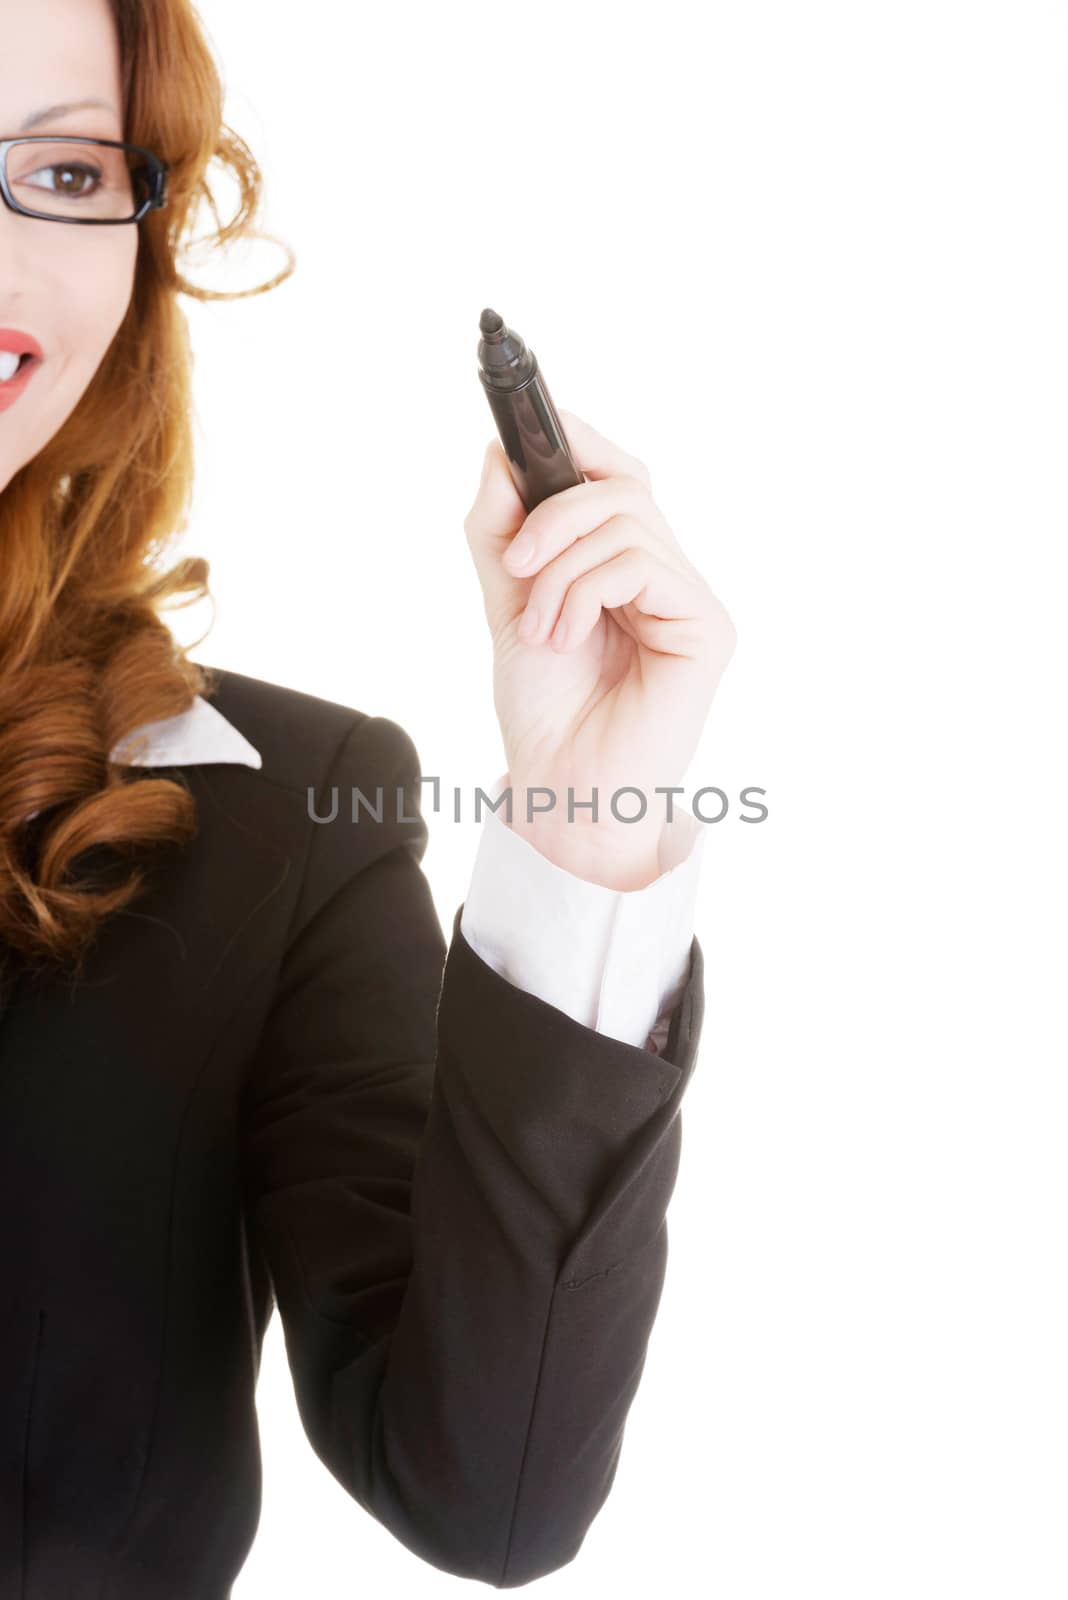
[{"x": 572, "y": 1109}]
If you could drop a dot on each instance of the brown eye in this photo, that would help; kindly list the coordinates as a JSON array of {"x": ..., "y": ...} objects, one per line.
[{"x": 72, "y": 179}]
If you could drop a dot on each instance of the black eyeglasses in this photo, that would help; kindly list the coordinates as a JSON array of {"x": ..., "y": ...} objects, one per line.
[{"x": 112, "y": 182}]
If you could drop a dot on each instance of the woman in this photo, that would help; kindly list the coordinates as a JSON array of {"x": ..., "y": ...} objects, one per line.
[{"x": 238, "y": 1064}]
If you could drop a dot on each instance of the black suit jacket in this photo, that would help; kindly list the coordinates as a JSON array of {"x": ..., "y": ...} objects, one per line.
[{"x": 274, "y": 1082}]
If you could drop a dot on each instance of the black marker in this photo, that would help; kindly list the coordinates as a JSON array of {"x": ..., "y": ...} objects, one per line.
[{"x": 539, "y": 456}]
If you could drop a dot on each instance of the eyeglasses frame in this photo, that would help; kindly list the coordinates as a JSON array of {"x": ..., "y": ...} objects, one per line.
[{"x": 156, "y": 170}]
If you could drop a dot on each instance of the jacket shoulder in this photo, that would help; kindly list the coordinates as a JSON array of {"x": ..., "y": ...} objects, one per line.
[{"x": 297, "y": 734}]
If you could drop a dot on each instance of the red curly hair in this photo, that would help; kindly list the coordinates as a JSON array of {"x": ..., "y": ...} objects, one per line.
[{"x": 85, "y": 656}]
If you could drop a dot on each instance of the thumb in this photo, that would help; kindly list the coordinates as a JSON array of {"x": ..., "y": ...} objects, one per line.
[{"x": 496, "y": 515}]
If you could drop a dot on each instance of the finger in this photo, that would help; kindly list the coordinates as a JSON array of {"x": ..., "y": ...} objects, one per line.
[
  {"x": 670, "y": 601},
  {"x": 493, "y": 519},
  {"x": 597, "y": 456},
  {"x": 574, "y": 513},
  {"x": 547, "y": 593}
]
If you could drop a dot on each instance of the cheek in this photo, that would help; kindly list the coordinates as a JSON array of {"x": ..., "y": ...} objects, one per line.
[
  {"x": 82, "y": 292},
  {"x": 97, "y": 298}
]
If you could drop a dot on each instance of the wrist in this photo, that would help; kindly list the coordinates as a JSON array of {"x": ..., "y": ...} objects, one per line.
[{"x": 616, "y": 855}]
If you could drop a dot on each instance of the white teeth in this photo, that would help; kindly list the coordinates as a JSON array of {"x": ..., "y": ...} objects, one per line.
[{"x": 9, "y": 365}]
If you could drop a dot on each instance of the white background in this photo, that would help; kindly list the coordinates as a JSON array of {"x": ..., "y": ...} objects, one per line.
[{"x": 809, "y": 262}]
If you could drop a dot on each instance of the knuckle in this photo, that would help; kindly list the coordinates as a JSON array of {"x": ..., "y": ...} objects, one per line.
[
  {"x": 724, "y": 636},
  {"x": 638, "y": 478},
  {"x": 718, "y": 630},
  {"x": 622, "y": 532},
  {"x": 724, "y": 622}
]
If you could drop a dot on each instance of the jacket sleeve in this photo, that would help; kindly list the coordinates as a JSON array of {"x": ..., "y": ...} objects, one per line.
[{"x": 459, "y": 1192}]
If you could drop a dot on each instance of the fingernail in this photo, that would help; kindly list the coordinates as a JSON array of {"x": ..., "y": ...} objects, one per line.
[{"x": 521, "y": 550}]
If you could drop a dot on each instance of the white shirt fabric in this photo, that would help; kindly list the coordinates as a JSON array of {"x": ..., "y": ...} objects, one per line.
[{"x": 615, "y": 960}]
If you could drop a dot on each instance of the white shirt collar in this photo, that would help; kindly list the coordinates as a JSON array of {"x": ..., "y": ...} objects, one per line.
[{"x": 192, "y": 738}]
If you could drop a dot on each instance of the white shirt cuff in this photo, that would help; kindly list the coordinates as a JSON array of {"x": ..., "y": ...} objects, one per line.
[{"x": 615, "y": 960}]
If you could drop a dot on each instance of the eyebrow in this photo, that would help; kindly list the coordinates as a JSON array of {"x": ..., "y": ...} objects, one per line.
[{"x": 50, "y": 113}]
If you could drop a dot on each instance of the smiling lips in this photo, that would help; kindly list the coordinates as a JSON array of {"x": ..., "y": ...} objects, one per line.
[{"x": 20, "y": 356}]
